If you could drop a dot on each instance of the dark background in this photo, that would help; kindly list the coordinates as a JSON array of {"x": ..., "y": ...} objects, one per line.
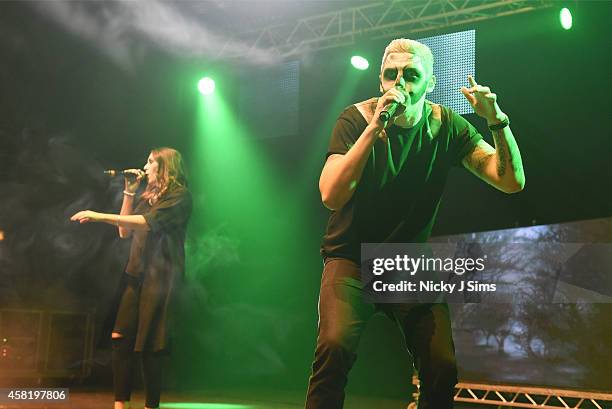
[{"x": 68, "y": 112}]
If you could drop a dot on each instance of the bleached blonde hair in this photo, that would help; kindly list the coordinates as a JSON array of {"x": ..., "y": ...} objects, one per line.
[{"x": 405, "y": 45}]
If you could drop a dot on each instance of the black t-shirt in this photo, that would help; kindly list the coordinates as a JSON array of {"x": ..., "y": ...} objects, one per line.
[{"x": 397, "y": 198}]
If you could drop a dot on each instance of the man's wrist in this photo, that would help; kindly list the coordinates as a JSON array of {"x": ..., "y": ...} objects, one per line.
[
  {"x": 375, "y": 126},
  {"x": 497, "y": 119},
  {"x": 498, "y": 125}
]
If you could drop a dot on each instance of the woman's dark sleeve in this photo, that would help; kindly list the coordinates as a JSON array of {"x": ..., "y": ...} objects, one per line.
[{"x": 171, "y": 212}]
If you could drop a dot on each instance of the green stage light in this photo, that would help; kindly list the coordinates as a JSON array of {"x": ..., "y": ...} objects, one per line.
[
  {"x": 359, "y": 62},
  {"x": 202, "y": 405},
  {"x": 565, "y": 16},
  {"x": 206, "y": 86}
]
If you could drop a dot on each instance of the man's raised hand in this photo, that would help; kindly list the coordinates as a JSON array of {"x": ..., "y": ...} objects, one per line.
[{"x": 483, "y": 101}]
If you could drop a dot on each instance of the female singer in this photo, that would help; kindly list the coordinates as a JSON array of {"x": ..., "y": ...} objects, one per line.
[{"x": 156, "y": 221}]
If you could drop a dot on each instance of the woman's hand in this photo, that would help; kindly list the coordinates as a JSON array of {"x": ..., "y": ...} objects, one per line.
[
  {"x": 86, "y": 216},
  {"x": 132, "y": 179}
]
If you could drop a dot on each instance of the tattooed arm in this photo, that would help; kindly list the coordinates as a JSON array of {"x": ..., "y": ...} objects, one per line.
[{"x": 501, "y": 166}]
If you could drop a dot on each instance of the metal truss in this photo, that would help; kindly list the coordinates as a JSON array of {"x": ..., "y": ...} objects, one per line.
[
  {"x": 504, "y": 396},
  {"x": 511, "y": 396},
  {"x": 375, "y": 20}
]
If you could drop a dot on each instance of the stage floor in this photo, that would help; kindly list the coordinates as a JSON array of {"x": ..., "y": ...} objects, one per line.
[{"x": 211, "y": 400}]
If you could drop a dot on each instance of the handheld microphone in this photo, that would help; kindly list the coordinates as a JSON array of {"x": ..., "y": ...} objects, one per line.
[
  {"x": 115, "y": 172},
  {"x": 388, "y": 111}
]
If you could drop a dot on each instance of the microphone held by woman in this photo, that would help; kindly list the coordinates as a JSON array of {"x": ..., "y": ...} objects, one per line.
[{"x": 126, "y": 172}]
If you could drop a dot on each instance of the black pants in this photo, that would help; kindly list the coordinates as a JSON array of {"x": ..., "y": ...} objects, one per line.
[
  {"x": 124, "y": 358},
  {"x": 342, "y": 318},
  {"x": 123, "y": 355}
]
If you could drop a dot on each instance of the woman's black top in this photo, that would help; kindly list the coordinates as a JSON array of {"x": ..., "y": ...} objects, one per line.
[{"x": 154, "y": 270}]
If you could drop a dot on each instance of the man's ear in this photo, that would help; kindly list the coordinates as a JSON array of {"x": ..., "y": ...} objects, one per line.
[{"x": 431, "y": 84}]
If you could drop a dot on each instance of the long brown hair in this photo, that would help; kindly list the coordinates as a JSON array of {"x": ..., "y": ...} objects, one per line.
[{"x": 170, "y": 173}]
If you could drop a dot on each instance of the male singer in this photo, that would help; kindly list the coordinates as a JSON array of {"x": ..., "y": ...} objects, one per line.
[{"x": 382, "y": 181}]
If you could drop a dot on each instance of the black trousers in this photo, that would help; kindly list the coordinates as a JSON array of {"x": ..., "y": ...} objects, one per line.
[
  {"x": 342, "y": 318},
  {"x": 123, "y": 355}
]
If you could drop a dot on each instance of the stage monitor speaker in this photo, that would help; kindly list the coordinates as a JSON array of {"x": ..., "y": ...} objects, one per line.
[{"x": 46, "y": 344}]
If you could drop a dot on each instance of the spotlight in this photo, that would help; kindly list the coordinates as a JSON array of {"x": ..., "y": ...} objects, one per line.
[
  {"x": 359, "y": 62},
  {"x": 565, "y": 16},
  {"x": 206, "y": 86}
]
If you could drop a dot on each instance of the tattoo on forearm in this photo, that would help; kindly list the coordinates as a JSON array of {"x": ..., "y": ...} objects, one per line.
[
  {"x": 508, "y": 168},
  {"x": 502, "y": 156},
  {"x": 508, "y": 154}
]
